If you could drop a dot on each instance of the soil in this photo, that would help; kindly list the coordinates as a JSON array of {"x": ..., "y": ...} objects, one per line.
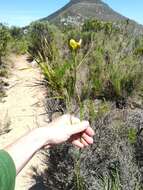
[{"x": 22, "y": 110}]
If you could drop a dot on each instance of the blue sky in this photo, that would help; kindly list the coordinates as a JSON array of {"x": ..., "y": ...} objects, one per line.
[
  {"x": 21, "y": 13},
  {"x": 133, "y": 9}
]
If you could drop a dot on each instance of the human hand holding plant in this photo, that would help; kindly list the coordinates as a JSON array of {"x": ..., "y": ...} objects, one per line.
[
  {"x": 65, "y": 128},
  {"x": 70, "y": 128}
]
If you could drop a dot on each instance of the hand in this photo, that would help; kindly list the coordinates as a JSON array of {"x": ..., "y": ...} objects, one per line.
[
  {"x": 64, "y": 128},
  {"x": 69, "y": 128}
]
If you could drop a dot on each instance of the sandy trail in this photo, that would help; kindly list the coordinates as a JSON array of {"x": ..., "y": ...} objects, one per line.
[{"x": 24, "y": 109}]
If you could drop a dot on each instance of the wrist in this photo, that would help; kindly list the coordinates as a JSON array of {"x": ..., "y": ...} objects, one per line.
[{"x": 41, "y": 138}]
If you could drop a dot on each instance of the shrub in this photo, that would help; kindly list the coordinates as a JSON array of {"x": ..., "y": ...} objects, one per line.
[
  {"x": 19, "y": 46},
  {"x": 16, "y": 32},
  {"x": 41, "y": 39},
  {"x": 138, "y": 49},
  {"x": 98, "y": 26},
  {"x": 114, "y": 72},
  {"x": 104, "y": 68},
  {"x": 4, "y": 38},
  {"x": 19, "y": 42}
]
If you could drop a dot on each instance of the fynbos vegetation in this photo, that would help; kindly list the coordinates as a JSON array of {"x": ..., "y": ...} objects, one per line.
[
  {"x": 94, "y": 72},
  {"x": 4, "y": 39}
]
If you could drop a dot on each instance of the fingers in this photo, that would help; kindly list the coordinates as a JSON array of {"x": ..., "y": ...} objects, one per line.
[
  {"x": 78, "y": 128},
  {"x": 78, "y": 144},
  {"x": 87, "y": 139},
  {"x": 80, "y": 131},
  {"x": 89, "y": 131},
  {"x": 81, "y": 143},
  {"x": 81, "y": 138},
  {"x": 84, "y": 142}
]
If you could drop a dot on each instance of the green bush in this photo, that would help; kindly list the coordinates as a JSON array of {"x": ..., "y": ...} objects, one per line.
[
  {"x": 19, "y": 42},
  {"x": 16, "y": 32},
  {"x": 138, "y": 51},
  {"x": 40, "y": 39},
  {"x": 4, "y": 38},
  {"x": 105, "y": 67},
  {"x": 114, "y": 72},
  {"x": 18, "y": 46},
  {"x": 98, "y": 26}
]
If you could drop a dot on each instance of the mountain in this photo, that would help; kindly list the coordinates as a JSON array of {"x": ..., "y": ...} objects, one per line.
[{"x": 76, "y": 11}]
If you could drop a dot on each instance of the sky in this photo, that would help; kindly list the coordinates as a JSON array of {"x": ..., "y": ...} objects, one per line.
[{"x": 21, "y": 13}]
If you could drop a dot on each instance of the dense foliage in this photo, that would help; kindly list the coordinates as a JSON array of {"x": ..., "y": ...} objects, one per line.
[
  {"x": 97, "y": 80},
  {"x": 40, "y": 38},
  {"x": 12, "y": 40},
  {"x": 19, "y": 41},
  {"x": 94, "y": 71},
  {"x": 4, "y": 38},
  {"x": 109, "y": 59}
]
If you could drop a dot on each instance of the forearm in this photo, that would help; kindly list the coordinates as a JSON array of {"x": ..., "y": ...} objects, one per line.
[
  {"x": 24, "y": 148},
  {"x": 57, "y": 132}
]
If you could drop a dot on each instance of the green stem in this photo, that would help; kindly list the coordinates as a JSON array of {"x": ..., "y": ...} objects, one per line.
[{"x": 78, "y": 179}]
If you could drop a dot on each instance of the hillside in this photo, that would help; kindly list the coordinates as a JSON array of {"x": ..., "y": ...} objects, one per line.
[{"x": 78, "y": 10}]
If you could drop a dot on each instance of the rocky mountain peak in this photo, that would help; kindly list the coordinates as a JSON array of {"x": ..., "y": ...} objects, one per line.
[
  {"x": 87, "y": 1},
  {"x": 76, "y": 11}
]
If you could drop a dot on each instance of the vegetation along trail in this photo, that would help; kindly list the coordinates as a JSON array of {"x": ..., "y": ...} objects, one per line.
[{"x": 22, "y": 109}]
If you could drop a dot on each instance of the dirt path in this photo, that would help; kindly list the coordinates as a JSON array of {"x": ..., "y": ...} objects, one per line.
[{"x": 23, "y": 109}]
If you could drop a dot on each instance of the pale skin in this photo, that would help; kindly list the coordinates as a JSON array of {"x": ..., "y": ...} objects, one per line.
[{"x": 65, "y": 128}]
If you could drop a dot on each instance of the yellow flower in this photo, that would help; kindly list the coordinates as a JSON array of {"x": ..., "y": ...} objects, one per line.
[{"x": 75, "y": 45}]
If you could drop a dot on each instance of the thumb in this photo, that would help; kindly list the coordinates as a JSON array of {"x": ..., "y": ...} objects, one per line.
[{"x": 78, "y": 128}]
